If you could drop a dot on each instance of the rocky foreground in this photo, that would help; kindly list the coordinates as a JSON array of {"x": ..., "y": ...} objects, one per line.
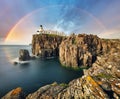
[{"x": 100, "y": 81}]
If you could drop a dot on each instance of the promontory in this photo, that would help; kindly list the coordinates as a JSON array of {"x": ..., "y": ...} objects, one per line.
[{"x": 100, "y": 81}]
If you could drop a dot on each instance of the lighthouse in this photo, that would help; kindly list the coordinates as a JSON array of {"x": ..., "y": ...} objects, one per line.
[{"x": 41, "y": 30}]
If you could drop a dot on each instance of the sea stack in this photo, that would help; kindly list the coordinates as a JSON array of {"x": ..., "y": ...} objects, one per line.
[{"x": 24, "y": 55}]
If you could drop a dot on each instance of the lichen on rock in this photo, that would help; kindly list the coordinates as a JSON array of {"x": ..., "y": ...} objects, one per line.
[{"x": 15, "y": 94}]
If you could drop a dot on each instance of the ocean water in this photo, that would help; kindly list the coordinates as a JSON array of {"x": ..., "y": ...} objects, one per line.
[{"x": 32, "y": 76}]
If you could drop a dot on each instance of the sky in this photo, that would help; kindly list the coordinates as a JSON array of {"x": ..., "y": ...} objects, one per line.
[{"x": 20, "y": 19}]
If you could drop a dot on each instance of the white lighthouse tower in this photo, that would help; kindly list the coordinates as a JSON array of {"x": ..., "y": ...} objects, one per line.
[{"x": 41, "y": 30}]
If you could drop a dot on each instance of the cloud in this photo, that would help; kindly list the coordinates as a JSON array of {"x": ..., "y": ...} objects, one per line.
[
  {"x": 78, "y": 20},
  {"x": 64, "y": 26},
  {"x": 111, "y": 33}
]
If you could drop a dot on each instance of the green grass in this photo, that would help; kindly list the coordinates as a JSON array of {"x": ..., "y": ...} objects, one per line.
[
  {"x": 102, "y": 75},
  {"x": 76, "y": 68},
  {"x": 54, "y": 35},
  {"x": 61, "y": 84},
  {"x": 54, "y": 84},
  {"x": 64, "y": 84}
]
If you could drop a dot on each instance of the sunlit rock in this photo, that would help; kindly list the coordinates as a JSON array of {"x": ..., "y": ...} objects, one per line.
[{"x": 15, "y": 94}]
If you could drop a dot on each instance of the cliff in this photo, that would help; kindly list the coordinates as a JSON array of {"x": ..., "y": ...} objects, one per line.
[
  {"x": 74, "y": 50},
  {"x": 81, "y": 50},
  {"x": 100, "y": 81},
  {"x": 46, "y": 45}
]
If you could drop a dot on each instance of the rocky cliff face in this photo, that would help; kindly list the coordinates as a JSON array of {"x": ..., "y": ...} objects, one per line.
[
  {"x": 81, "y": 50},
  {"x": 46, "y": 45},
  {"x": 101, "y": 81},
  {"x": 73, "y": 51}
]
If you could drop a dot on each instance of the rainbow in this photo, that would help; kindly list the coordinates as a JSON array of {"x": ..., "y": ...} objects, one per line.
[{"x": 17, "y": 35}]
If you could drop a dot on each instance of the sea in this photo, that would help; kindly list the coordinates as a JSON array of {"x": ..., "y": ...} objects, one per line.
[{"x": 32, "y": 76}]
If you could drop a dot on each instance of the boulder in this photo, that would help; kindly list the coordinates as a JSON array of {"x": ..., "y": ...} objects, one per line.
[
  {"x": 15, "y": 94},
  {"x": 24, "y": 55}
]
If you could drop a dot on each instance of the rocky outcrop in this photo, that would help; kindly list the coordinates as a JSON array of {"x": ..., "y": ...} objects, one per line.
[
  {"x": 24, "y": 55},
  {"x": 101, "y": 81},
  {"x": 86, "y": 87},
  {"x": 80, "y": 50},
  {"x": 99, "y": 86},
  {"x": 47, "y": 92},
  {"x": 73, "y": 51},
  {"x": 46, "y": 45},
  {"x": 15, "y": 94},
  {"x": 80, "y": 88}
]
